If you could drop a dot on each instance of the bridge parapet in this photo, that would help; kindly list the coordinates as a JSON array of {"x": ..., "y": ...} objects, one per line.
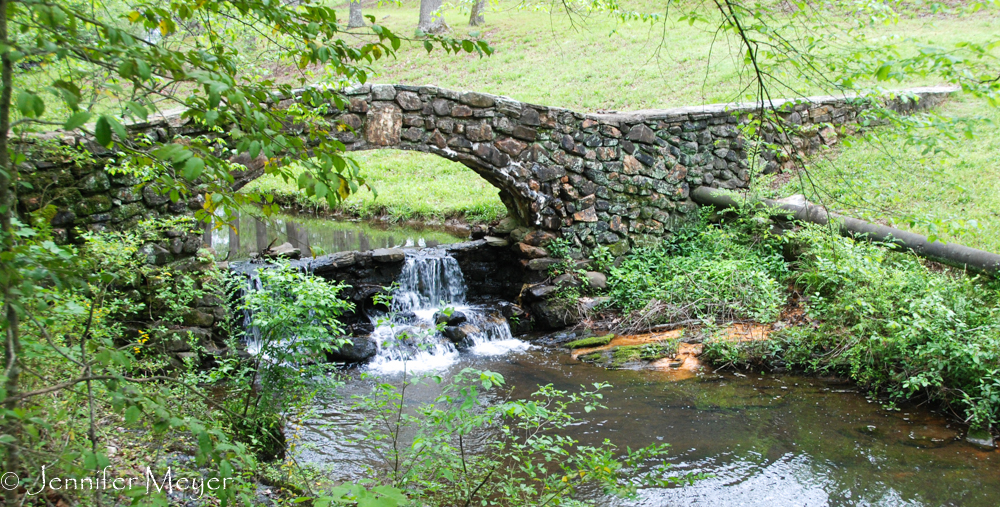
[{"x": 607, "y": 178}]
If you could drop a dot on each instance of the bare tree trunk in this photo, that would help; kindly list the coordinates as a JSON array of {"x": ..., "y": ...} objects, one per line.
[
  {"x": 355, "y": 19},
  {"x": 429, "y": 22},
  {"x": 477, "y": 18},
  {"x": 10, "y": 278}
]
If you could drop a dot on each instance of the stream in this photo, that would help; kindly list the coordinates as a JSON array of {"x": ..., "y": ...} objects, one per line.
[{"x": 766, "y": 440}]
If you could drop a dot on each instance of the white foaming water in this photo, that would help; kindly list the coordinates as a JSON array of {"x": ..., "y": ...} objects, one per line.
[{"x": 431, "y": 281}]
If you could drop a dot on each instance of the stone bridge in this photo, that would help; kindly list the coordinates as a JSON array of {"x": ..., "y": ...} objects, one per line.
[{"x": 608, "y": 178}]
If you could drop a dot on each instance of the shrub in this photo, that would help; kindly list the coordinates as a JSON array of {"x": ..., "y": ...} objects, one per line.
[{"x": 703, "y": 272}]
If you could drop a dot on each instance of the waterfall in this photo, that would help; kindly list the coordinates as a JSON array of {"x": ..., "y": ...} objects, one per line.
[{"x": 431, "y": 281}]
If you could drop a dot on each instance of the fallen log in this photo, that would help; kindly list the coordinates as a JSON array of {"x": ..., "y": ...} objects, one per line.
[{"x": 952, "y": 254}]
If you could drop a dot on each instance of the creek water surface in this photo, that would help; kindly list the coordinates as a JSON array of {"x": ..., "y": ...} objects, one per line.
[
  {"x": 766, "y": 440},
  {"x": 249, "y": 234}
]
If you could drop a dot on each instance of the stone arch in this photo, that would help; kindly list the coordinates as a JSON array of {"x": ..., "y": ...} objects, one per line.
[
  {"x": 595, "y": 179},
  {"x": 470, "y": 128}
]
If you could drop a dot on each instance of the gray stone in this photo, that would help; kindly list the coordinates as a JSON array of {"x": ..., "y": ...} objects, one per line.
[
  {"x": 642, "y": 134},
  {"x": 409, "y": 101},
  {"x": 542, "y": 264},
  {"x": 94, "y": 182},
  {"x": 197, "y": 318},
  {"x": 383, "y": 92},
  {"x": 549, "y": 316},
  {"x": 495, "y": 241},
  {"x": 596, "y": 280},
  {"x": 538, "y": 292},
  {"x": 388, "y": 255},
  {"x": 477, "y": 99},
  {"x": 284, "y": 250},
  {"x": 357, "y": 350},
  {"x": 980, "y": 437},
  {"x": 460, "y": 333},
  {"x": 567, "y": 280},
  {"x": 454, "y": 319}
]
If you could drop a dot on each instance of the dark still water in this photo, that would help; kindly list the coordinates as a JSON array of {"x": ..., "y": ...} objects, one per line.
[
  {"x": 249, "y": 234},
  {"x": 768, "y": 440}
]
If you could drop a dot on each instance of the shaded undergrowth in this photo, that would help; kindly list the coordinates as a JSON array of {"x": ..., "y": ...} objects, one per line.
[{"x": 894, "y": 323}]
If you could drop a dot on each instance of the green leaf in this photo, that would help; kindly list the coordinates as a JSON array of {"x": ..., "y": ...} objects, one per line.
[
  {"x": 118, "y": 128},
  {"x": 193, "y": 168},
  {"x": 137, "y": 109},
  {"x": 132, "y": 414},
  {"x": 76, "y": 120},
  {"x": 26, "y": 103},
  {"x": 103, "y": 131}
]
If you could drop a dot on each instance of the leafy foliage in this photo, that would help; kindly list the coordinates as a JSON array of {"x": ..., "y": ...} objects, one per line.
[
  {"x": 703, "y": 272},
  {"x": 468, "y": 448},
  {"x": 890, "y": 323}
]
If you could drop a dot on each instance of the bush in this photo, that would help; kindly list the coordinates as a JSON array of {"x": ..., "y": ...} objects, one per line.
[
  {"x": 703, "y": 272},
  {"x": 890, "y": 323}
]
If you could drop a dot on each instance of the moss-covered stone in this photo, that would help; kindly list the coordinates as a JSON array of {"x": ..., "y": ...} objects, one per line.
[
  {"x": 126, "y": 211},
  {"x": 594, "y": 357},
  {"x": 95, "y": 182},
  {"x": 594, "y": 341},
  {"x": 91, "y": 205}
]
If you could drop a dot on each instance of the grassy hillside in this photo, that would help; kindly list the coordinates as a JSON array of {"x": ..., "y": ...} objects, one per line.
[{"x": 600, "y": 64}]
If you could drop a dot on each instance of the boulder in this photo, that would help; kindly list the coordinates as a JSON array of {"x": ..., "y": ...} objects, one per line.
[
  {"x": 596, "y": 280},
  {"x": 495, "y": 241},
  {"x": 458, "y": 334},
  {"x": 454, "y": 319},
  {"x": 358, "y": 350},
  {"x": 549, "y": 316},
  {"x": 284, "y": 250},
  {"x": 530, "y": 252},
  {"x": 388, "y": 255}
]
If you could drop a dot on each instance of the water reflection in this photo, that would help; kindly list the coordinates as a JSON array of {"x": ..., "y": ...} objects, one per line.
[{"x": 249, "y": 234}]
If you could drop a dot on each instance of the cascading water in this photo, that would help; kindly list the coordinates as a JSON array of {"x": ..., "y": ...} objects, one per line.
[{"x": 430, "y": 283}]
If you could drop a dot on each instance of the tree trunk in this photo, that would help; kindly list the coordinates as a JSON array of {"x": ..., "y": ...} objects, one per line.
[
  {"x": 10, "y": 277},
  {"x": 355, "y": 19},
  {"x": 952, "y": 254},
  {"x": 429, "y": 21},
  {"x": 477, "y": 18}
]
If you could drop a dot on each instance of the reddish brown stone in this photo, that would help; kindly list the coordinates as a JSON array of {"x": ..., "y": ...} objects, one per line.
[
  {"x": 511, "y": 146},
  {"x": 385, "y": 121},
  {"x": 538, "y": 238},
  {"x": 358, "y": 105},
  {"x": 588, "y": 123},
  {"x": 461, "y": 111},
  {"x": 438, "y": 140},
  {"x": 530, "y": 252},
  {"x": 632, "y": 165},
  {"x": 617, "y": 225},
  {"x": 587, "y": 215}
]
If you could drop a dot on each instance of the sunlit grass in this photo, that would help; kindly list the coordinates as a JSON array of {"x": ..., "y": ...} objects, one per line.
[
  {"x": 409, "y": 185},
  {"x": 956, "y": 198}
]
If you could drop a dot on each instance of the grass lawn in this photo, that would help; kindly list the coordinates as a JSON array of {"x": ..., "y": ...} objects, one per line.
[
  {"x": 409, "y": 185},
  {"x": 955, "y": 198},
  {"x": 540, "y": 58}
]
